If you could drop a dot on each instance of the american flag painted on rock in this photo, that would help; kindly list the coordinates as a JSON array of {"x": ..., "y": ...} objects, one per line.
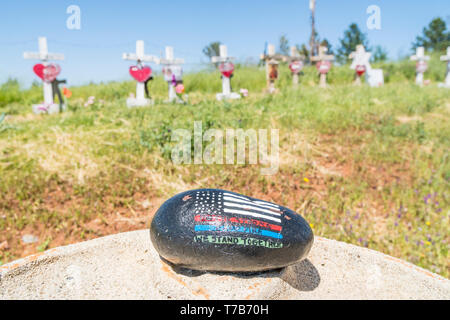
[{"x": 224, "y": 202}]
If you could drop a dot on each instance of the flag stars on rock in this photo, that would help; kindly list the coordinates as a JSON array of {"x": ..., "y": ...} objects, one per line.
[{"x": 230, "y": 203}]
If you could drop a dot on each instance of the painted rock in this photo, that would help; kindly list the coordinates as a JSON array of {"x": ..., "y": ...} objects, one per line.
[{"x": 217, "y": 230}]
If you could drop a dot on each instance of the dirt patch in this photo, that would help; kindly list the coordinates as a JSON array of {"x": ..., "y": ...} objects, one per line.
[{"x": 75, "y": 216}]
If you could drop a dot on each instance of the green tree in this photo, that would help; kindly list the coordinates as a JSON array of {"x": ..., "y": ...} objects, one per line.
[
  {"x": 283, "y": 47},
  {"x": 379, "y": 54},
  {"x": 12, "y": 84},
  {"x": 352, "y": 37},
  {"x": 304, "y": 51},
  {"x": 212, "y": 49},
  {"x": 435, "y": 37},
  {"x": 327, "y": 44}
]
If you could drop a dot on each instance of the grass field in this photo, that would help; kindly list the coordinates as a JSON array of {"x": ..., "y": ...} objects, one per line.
[{"x": 368, "y": 166}]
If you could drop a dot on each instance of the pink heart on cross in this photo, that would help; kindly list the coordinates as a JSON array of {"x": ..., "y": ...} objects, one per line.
[
  {"x": 47, "y": 73},
  {"x": 141, "y": 74},
  {"x": 323, "y": 66},
  {"x": 226, "y": 69}
]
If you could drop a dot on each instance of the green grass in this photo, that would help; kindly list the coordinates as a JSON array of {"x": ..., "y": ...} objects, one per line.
[{"x": 376, "y": 160}]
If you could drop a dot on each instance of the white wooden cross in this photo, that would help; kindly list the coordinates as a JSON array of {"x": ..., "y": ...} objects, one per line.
[
  {"x": 172, "y": 67},
  {"x": 45, "y": 56},
  {"x": 322, "y": 57},
  {"x": 360, "y": 60},
  {"x": 226, "y": 81},
  {"x": 139, "y": 57},
  {"x": 447, "y": 77},
  {"x": 271, "y": 60},
  {"x": 296, "y": 58},
  {"x": 421, "y": 59}
]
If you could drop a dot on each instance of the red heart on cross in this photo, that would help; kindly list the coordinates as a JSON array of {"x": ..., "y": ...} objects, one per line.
[
  {"x": 141, "y": 74},
  {"x": 296, "y": 66},
  {"x": 47, "y": 73},
  {"x": 323, "y": 66},
  {"x": 226, "y": 69},
  {"x": 360, "y": 69}
]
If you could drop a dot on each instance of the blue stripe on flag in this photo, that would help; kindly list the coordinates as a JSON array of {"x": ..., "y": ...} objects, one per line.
[{"x": 265, "y": 233}]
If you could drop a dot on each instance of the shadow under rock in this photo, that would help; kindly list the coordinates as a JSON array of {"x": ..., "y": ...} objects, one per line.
[
  {"x": 302, "y": 276},
  {"x": 195, "y": 273}
]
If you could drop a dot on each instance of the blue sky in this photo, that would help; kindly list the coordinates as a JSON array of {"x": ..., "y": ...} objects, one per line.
[{"x": 109, "y": 28}]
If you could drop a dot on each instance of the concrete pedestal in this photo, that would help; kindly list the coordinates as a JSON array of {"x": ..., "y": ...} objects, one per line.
[{"x": 126, "y": 266}]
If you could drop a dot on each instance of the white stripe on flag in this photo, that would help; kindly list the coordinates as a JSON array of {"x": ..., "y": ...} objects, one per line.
[
  {"x": 249, "y": 207},
  {"x": 234, "y": 195},
  {"x": 264, "y": 203},
  {"x": 248, "y": 213},
  {"x": 249, "y": 202},
  {"x": 267, "y": 203}
]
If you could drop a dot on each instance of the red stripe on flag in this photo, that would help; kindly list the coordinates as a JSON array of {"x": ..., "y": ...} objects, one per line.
[{"x": 219, "y": 218}]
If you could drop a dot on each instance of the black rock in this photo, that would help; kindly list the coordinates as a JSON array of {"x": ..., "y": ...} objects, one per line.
[{"x": 218, "y": 230}]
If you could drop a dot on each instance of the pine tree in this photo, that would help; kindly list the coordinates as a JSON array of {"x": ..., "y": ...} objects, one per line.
[
  {"x": 283, "y": 47},
  {"x": 212, "y": 49},
  {"x": 352, "y": 37},
  {"x": 325, "y": 43},
  {"x": 435, "y": 37},
  {"x": 379, "y": 54},
  {"x": 304, "y": 51}
]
